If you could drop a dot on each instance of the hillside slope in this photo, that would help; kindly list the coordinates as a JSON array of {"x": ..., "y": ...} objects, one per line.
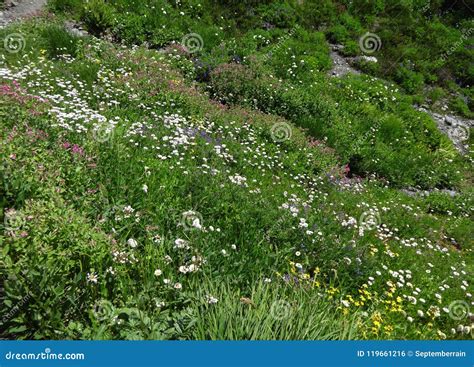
[{"x": 147, "y": 195}]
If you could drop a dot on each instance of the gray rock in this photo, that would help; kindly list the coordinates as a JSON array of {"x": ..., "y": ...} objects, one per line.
[
  {"x": 450, "y": 120},
  {"x": 340, "y": 65},
  {"x": 75, "y": 29},
  {"x": 337, "y": 47},
  {"x": 365, "y": 58},
  {"x": 20, "y": 9},
  {"x": 455, "y": 127}
]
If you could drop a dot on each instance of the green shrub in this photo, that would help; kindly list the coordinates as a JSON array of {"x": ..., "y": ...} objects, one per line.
[
  {"x": 300, "y": 56},
  {"x": 372, "y": 68},
  {"x": 351, "y": 48},
  {"x": 323, "y": 12},
  {"x": 459, "y": 105},
  {"x": 338, "y": 34},
  {"x": 59, "y": 41},
  {"x": 65, "y": 5},
  {"x": 410, "y": 80},
  {"x": 277, "y": 14},
  {"x": 98, "y": 16},
  {"x": 436, "y": 94},
  {"x": 131, "y": 29},
  {"x": 47, "y": 244}
]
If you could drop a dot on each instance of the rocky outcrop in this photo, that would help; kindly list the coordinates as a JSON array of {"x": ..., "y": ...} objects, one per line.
[
  {"x": 75, "y": 29},
  {"x": 20, "y": 9},
  {"x": 340, "y": 65},
  {"x": 455, "y": 127}
]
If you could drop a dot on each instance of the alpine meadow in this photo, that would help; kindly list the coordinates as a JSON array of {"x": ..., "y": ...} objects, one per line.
[{"x": 237, "y": 170}]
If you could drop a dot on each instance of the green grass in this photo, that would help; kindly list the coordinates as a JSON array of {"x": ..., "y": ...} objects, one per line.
[{"x": 271, "y": 313}]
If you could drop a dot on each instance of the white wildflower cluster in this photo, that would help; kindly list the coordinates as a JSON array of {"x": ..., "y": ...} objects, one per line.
[
  {"x": 180, "y": 244},
  {"x": 69, "y": 100},
  {"x": 211, "y": 299},
  {"x": 238, "y": 180},
  {"x": 123, "y": 257},
  {"x": 92, "y": 278}
]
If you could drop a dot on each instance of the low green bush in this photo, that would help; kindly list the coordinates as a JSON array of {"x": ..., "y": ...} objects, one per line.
[
  {"x": 58, "y": 41},
  {"x": 98, "y": 16}
]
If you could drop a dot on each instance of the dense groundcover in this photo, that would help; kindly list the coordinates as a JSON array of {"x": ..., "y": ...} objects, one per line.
[{"x": 193, "y": 170}]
